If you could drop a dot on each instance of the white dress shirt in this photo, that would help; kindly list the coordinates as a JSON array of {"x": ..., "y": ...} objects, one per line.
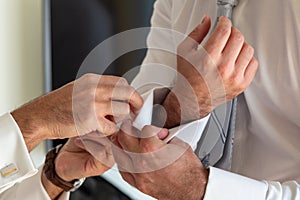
[
  {"x": 266, "y": 152},
  {"x": 25, "y": 183}
]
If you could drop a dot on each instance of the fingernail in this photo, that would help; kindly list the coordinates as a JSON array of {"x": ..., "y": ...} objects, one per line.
[
  {"x": 162, "y": 134},
  {"x": 224, "y": 19}
]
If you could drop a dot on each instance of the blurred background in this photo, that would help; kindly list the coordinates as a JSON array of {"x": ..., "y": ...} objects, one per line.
[{"x": 43, "y": 44}]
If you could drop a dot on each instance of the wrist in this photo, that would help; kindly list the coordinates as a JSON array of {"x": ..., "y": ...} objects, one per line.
[
  {"x": 194, "y": 100},
  {"x": 51, "y": 174},
  {"x": 30, "y": 125}
]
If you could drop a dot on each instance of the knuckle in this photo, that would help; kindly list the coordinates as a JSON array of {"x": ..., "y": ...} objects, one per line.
[
  {"x": 223, "y": 70},
  {"x": 130, "y": 91},
  {"x": 89, "y": 76},
  {"x": 146, "y": 146},
  {"x": 239, "y": 83},
  {"x": 122, "y": 81},
  {"x": 255, "y": 62},
  {"x": 249, "y": 50},
  {"x": 88, "y": 79},
  {"x": 238, "y": 36},
  {"x": 243, "y": 86},
  {"x": 181, "y": 49},
  {"x": 224, "y": 29},
  {"x": 102, "y": 91},
  {"x": 210, "y": 49},
  {"x": 236, "y": 80},
  {"x": 207, "y": 60},
  {"x": 109, "y": 128}
]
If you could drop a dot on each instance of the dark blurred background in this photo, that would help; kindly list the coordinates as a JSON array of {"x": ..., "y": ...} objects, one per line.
[{"x": 76, "y": 27}]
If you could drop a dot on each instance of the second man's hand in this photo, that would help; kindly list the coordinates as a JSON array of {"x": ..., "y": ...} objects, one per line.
[
  {"x": 211, "y": 75},
  {"x": 164, "y": 171}
]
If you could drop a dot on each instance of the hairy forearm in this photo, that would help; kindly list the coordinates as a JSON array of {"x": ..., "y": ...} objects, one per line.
[
  {"x": 173, "y": 111},
  {"x": 30, "y": 126}
]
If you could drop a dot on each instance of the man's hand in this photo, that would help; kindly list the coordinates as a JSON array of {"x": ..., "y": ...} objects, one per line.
[
  {"x": 75, "y": 161},
  {"x": 211, "y": 75},
  {"x": 164, "y": 171},
  {"x": 91, "y": 103}
]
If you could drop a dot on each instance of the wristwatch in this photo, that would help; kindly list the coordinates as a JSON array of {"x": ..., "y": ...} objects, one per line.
[{"x": 49, "y": 170}]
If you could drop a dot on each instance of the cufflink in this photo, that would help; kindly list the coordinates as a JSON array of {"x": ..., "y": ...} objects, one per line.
[{"x": 9, "y": 170}]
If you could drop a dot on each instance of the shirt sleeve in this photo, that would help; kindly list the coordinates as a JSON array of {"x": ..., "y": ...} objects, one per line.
[
  {"x": 159, "y": 65},
  {"x": 15, "y": 161},
  {"x": 29, "y": 189},
  {"x": 229, "y": 186},
  {"x": 159, "y": 68}
]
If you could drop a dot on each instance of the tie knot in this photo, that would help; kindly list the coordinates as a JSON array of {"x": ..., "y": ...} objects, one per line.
[
  {"x": 225, "y": 7},
  {"x": 232, "y": 3}
]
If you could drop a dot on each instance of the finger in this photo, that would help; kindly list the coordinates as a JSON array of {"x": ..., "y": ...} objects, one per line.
[
  {"x": 233, "y": 46},
  {"x": 98, "y": 147},
  {"x": 244, "y": 58},
  {"x": 163, "y": 134},
  {"x": 153, "y": 131},
  {"x": 219, "y": 37},
  {"x": 251, "y": 70},
  {"x": 153, "y": 143},
  {"x": 135, "y": 101},
  {"x": 122, "y": 158},
  {"x": 178, "y": 142},
  {"x": 118, "y": 110},
  {"x": 127, "y": 137},
  {"x": 112, "y": 80},
  {"x": 107, "y": 127},
  {"x": 197, "y": 35},
  {"x": 93, "y": 142},
  {"x": 95, "y": 80},
  {"x": 120, "y": 93}
]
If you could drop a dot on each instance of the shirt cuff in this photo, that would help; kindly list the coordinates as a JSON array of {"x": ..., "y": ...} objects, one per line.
[
  {"x": 31, "y": 188},
  {"x": 229, "y": 186},
  {"x": 15, "y": 162}
]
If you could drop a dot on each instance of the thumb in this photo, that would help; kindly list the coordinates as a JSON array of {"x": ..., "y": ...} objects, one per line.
[
  {"x": 198, "y": 34},
  {"x": 151, "y": 138}
]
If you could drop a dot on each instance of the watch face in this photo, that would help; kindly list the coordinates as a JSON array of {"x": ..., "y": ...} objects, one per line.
[{"x": 77, "y": 184}]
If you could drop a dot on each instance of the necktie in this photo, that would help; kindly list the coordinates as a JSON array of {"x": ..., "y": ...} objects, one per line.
[{"x": 215, "y": 146}]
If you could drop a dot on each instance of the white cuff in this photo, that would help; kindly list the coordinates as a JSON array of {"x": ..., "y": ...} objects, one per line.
[
  {"x": 228, "y": 186},
  {"x": 14, "y": 153},
  {"x": 190, "y": 133},
  {"x": 31, "y": 188}
]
